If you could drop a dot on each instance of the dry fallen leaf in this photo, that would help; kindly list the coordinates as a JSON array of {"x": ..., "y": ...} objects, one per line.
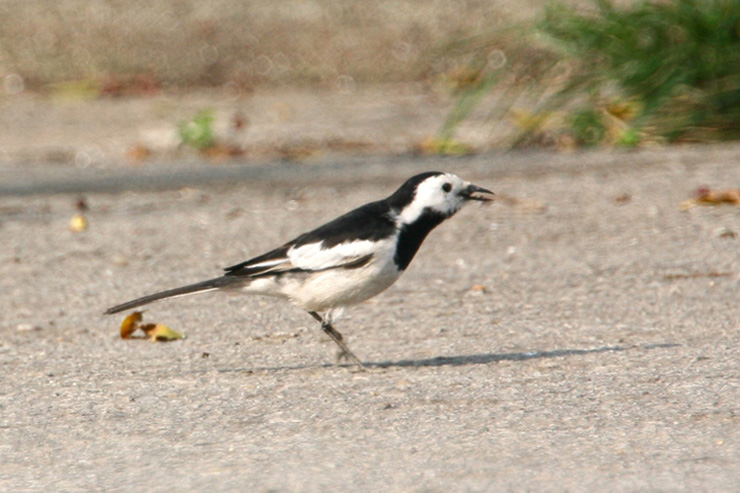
[
  {"x": 81, "y": 204},
  {"x": 623, "y": 198},
  {"x": 706, "y": 196},
  {"x": 130, "y": 325},
  {"x": 154, "y": 332},
  {"x": 161, "y": 333},
  {"x": 138, "y": 153},
  {"x": 725, "y": 232}
]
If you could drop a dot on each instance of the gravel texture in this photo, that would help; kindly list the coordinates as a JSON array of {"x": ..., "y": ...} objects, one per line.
[{"x": 579, "y": 334}]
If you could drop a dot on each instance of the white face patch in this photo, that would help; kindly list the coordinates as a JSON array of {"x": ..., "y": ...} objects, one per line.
[{"x": 440, "y": 193}]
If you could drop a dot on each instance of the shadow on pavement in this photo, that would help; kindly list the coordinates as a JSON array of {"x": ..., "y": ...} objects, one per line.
[
  {"x": 468, "y": 359},
  {"x": 484, "y": 359}
]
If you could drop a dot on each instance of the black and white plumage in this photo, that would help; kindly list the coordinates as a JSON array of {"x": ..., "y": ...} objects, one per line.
[{"x": 348, "y": 260}]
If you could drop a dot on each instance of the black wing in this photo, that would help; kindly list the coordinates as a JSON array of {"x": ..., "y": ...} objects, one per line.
[{"x": 369, "y": 222}]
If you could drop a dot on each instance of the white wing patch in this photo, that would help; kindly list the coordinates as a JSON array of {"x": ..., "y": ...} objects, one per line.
[
  {"x": 268, "y": 263},
  {"x": 313, "y": 257}
]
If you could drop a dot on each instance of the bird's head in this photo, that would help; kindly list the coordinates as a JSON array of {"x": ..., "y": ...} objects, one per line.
[{"x": 436, "y": 193}]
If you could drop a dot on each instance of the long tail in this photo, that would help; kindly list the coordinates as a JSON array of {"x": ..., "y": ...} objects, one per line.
[{"x": 200, "y": 287}]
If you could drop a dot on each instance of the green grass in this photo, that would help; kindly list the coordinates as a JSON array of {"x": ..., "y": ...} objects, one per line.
[
  {"x": 679, "y": 62},
  {"x": 198, "y": 132},
  {"x": 647, "y": 72}
]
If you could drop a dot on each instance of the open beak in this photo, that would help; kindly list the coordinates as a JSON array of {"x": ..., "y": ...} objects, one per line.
[{"x": 471, "y": 189}]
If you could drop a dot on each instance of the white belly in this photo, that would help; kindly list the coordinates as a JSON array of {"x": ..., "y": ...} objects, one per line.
[{"x": 321, "y": 291}]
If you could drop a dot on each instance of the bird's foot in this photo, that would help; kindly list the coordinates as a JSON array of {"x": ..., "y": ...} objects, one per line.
[
  {"x": 346, "y": 355},
  {"x": 344, "y": 351}
]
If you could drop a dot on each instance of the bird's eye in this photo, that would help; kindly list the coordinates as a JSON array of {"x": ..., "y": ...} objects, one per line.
[{"x": 447, "y": 187}]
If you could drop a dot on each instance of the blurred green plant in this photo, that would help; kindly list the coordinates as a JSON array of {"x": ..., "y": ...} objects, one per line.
[
  {"x": 655, "y": 71},
  {"x": 678, "y": 61},
  {"x": 505, "y": 62},
  {"x": 198, "y": 132}
]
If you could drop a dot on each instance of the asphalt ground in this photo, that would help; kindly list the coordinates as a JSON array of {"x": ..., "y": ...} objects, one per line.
[{"x": 578, "y": 334}]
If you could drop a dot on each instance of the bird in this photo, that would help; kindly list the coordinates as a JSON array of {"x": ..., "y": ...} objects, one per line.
[{"x": 347, "y": 260}]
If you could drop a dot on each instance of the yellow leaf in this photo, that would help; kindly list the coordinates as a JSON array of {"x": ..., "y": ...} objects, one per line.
[
  {"x": 78, "y": 223},
  {"x": 130, "y": 325},
  {"x": 161, "y": 333}
]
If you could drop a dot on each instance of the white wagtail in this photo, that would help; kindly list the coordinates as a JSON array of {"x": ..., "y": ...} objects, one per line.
[{"x": 348, "y": 260}]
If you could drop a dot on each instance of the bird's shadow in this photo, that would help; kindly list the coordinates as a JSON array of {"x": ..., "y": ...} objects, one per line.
[{"x": 468, "y": 359}]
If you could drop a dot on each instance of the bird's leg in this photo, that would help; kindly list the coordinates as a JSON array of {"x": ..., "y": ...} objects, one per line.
[{"x": 338, "y": 339}]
